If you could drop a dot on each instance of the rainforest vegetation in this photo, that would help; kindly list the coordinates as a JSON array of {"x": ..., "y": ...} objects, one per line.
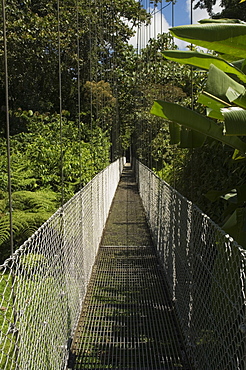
[{"x": 80, "y": 96}]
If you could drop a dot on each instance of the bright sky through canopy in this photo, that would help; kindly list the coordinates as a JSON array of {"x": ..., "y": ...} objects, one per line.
[{"x": 162, "y": 20}]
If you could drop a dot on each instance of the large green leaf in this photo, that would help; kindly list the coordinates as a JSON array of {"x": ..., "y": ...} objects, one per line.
[
  {"x": 236, "y": 226},
  {"x": 236, "y": 196},
  {"x": 214, "y": 195},
  {"x": 191, "y": 139},
  {"x": 222, "y": 20},
  {"x": 202, "y": 60},
  {"x": 222, "y": 37},
  {"x": 234, "y": 121},
  {"x": 174, "y": 130},
  {"x": 237, "y": 156},
  {"x": 224, "y": 87},
  {"x": 186, "y": 138},
  {"x": 240, "y": 64},
  {"x": 214, "y": 105},
  {"x": 195, "y": 121},
  {"x": 241, "y": 194}
]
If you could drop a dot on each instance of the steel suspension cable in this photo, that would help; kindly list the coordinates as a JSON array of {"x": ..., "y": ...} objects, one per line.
[
  {"x": 91, "y": 92},
  {"x": 60, "y": 103},
  {"x": 155, "y": 81},
  {"x": 113, "y": 84},
  {"x": 192, "y": 99},
  {"x": 162, "y": 93},
  {"x": 160, "y": 10},
  {"x": 8, "y": 129},
  {"x": 191, "y": 46},
  {"x": 175, "y": 149},
  {"x": 79, "y": 94},
  {"x": 141, "y": 35},
  {"x": 138, "y": 147}
]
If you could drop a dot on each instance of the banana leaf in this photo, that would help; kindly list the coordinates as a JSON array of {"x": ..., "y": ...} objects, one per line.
[
  {"x": 234, "y": 121},
  {"x": 184, "y": 137},
  {"x": 195, "y": 121},
  {"x": 241, "y": 194},
  {"x": 202, "y": 60},
  {"x": 211, "y": 113},
  {"x": 231, "y": 197},
  {"x": 236, "y": 226},
  {"x": 222, "y": 20},
  {"x": 224, "y": 87},
  {"x": 222, "y": 37},
  {"x": 237, "y": 156},
  {"x": 191, "y": 139},
  {"x": 174, "y": 130},
  {"x": 214, "y": 195},
  {"x": 240, "y": 64},
  {"x": 214, "y": 105}
]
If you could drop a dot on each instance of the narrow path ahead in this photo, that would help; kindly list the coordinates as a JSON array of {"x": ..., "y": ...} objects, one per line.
[{"x": 128, "y": 320}]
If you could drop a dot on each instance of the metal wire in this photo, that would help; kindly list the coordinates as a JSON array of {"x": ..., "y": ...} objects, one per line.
[
  {"x": 79, "y": 93},
  {"x": 127, "y": 320},
  {"x": 52, "y": 270},
  {"x": 8, "y": 127},
  {"x": 204, "y": 268},
  {"x": 60, "y": 103},
  {"x": 206, "y": 272}
]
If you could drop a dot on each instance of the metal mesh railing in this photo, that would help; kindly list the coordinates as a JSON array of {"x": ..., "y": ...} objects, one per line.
[
  {"x": 205, "y": 269},
  {"x": 43, "y": 285}
]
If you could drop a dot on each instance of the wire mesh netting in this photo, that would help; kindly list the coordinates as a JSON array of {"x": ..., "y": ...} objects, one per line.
[
  {"x": 205, "y": 270},
  {"x": 43, "y": 285},
  {"x": 201, "y": 286},
  {"x": 128, "y": 319}
]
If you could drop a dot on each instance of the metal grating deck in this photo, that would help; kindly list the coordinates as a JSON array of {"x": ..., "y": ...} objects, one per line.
[{"x": 128, "y": 320}]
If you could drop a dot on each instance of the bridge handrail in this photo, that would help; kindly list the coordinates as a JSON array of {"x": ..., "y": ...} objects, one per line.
[
  {"x": 206, "y": 271},
  {"x": 42, "y": 286}
]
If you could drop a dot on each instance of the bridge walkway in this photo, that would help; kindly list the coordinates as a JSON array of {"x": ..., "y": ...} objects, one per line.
[{"x": 128, "y": 320}]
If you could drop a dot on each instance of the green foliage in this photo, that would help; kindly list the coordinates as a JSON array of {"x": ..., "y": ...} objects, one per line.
[
  {"x": 42, "y": 200},
  {"x": 32, "y": 31},
  {"x": 232, "y": 9},
  {"x": 33, "y": 264},
  {"x": 203, "y": 60},
  {"x": 6, "y": 318},
  {"x": 225, "y": 98},
  {"x": 141, "y": 78},
  {"x": 36, "y": 158},
  {"x": 47, "y": 147},
  {"x": 195, "y": 121},
  {"x": 225, "y": 38}
]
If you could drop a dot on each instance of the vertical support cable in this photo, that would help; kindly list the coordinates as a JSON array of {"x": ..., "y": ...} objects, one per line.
[
  {"x": 60, "y": 102},
  {"x": 149, "y": 131},
  {"x": 155, "y": 77},
  {"x": 191, "y": 47},
  {"x": 8, "y": 129},
  {"x": 91, "y": 92},
  {"x": 192, "y": 99},
  {"x": 138, "y": 150},
  {"x": 142, "y": 35},
  {"x": 79, "y": 96},
  {"x": 173, "y": 20},
  {"x": 174, "y": 148}
]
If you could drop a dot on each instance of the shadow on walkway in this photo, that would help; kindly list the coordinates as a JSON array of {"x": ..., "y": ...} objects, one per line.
[{"x": 128, "y": 320}]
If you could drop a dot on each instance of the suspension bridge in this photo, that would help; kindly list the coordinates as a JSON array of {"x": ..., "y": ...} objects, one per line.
[
  {"x": 128, "y": 274},
  {"x": 160, "y": 287}
]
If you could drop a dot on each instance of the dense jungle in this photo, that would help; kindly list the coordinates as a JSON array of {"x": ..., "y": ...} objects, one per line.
[{"x": 80, "y": 96}]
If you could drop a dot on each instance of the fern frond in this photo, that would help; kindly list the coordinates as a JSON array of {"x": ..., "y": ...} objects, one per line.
[
  {"x": 39, "y": 201},
  {"x": 4, "y": 229},
  {"x": 24, "y": 225}
]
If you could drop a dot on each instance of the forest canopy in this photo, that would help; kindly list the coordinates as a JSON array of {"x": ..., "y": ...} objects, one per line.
[{"x": 80, "y": 96}]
